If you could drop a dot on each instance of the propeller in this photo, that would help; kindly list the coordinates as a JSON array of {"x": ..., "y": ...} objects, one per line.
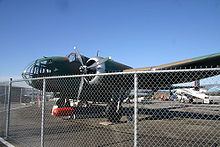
[
  {"x": 78, "y": 56},
  {"x": 84, "y": 69},
  {"x": 80, "y": 87}
]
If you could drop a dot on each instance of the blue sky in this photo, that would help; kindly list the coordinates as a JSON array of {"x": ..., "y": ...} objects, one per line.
[{"x": 139, "y": 33}]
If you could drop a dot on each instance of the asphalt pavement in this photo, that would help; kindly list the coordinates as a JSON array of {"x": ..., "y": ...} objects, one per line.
[{"x": 159, "y": 124}]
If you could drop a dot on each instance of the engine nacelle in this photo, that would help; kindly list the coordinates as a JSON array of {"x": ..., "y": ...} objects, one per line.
[
  {"x": 102, "y": 67},
  {"x": 96, "y": 70}
]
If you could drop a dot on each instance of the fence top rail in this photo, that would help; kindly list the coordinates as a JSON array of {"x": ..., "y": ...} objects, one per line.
[{"x": 119, "y": 73}]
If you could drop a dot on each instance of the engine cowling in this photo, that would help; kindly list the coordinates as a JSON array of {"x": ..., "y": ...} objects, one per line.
[
  {"x": 98, "y": 65},
  {"x": 95, "y": 70}
]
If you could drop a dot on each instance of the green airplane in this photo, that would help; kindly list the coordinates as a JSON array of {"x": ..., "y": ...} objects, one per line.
[{"x": 111, "y": 89}]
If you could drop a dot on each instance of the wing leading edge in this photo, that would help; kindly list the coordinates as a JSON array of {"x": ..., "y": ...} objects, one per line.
[{"x": 207, "y": 61}]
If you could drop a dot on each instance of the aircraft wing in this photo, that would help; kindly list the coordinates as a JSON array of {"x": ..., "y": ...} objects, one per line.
[
  {"x": 160, "y": 80},
  {"x": 163, "y": 80},
  {"x": 209, "y": 61}
]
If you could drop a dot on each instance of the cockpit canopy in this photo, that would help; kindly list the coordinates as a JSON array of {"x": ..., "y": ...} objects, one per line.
[
  {"x": 45, "y": 67},
  {"x": 53, "y": 66}
]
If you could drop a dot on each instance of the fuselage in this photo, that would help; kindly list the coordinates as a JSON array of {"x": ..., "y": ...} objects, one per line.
[{"x": 68, "y": 87}]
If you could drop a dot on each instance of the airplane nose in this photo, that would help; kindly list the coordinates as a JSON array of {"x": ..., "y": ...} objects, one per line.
[{"x": 29, "y": 70}]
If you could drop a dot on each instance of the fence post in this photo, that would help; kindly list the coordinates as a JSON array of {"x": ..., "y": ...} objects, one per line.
[
  {"x": 135, "y": 108},
  {"x": 42, "y": 112},
  {"x": 8, "y": 109},
  {"x": 32, "y": 96},
  {"x": 21, "y": 95}
]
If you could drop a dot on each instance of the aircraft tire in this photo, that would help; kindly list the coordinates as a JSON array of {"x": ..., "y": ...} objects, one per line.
[
  {"x": 111, "y": 112},
  {"x": 60, "y": 102}
]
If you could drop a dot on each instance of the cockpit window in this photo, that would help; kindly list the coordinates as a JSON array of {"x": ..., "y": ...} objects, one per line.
[
  {"x": 38, "y": 67},
  {"x": 72, "y": 57},
  {"x": 41, "y": 67},
  {"x": 44, "y": 62},
  {"x": 36, "y": 70}
]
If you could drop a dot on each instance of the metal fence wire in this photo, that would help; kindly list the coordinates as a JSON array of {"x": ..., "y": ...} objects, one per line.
[
  {"x": 3, "y": 103},
  {"x": 152, "y": 108}
]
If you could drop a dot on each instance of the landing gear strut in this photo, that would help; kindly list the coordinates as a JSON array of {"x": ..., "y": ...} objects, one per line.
[{"x": 113, "y": 111}]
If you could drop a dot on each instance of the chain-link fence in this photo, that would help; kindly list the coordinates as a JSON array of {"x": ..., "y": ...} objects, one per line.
[
  {"x": 3, "y": 102},
  {"x": 154, "y": 108}
]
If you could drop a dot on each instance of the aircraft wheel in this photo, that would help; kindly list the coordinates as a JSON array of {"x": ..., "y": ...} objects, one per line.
[
  {"x": 111, "y": 112},
  {"x": 60, "y": 103}
]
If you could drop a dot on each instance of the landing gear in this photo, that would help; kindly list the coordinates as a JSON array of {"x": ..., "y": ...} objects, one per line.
[
  {"x": 61, "y": 103},
  {"x": 113, "y": 111}
]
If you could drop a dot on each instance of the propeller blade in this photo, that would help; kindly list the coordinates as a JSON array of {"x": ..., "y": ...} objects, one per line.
[
  {"x": 78, "y": 56},
  {"x": 99, "y": 62},
  {"x": 80, "y": 87}
]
